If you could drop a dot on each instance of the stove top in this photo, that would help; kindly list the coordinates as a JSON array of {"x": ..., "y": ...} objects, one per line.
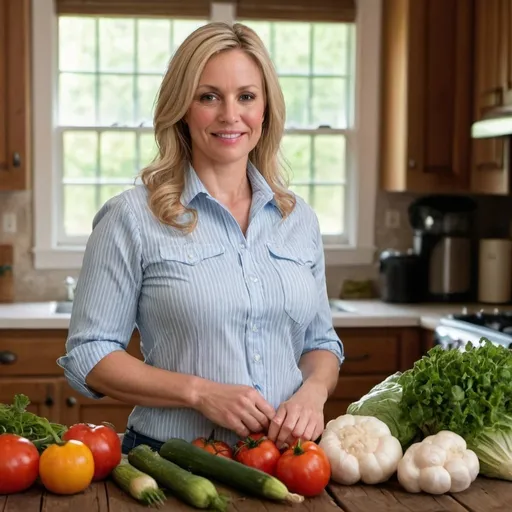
[
  {"x": 494, "y": 325},
  {"x": 497, "y": 320}
]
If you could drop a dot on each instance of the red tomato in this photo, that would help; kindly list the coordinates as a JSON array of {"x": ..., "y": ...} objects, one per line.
[
  {"x": 258, "y": 452},
  {"x": 304, "y": 468},
  {"x": 213, "y": 446},
  {"x": 19, "y": 463},
  {"x": 104, "y": 444}
]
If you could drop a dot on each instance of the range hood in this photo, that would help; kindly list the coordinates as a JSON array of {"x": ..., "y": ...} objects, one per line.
[{"x": 497, "y": 122}]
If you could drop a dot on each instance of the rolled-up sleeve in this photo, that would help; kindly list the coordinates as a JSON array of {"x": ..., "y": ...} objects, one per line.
[
  {"x": 107, "y": 293},
  {"x": 320, "y": 334}
]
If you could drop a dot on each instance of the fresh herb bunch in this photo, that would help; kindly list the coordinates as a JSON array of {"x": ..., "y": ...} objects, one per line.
[
  {"x": 465, "y": 392},
  {"x": 15, "y": 419}
]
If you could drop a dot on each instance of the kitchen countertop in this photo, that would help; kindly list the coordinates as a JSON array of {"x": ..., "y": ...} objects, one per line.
[
  {"x": 358, "y": 313},
  {"x": 483, "y": 495}
]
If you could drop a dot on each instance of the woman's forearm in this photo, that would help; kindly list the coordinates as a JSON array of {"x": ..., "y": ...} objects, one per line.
[
  {"x": 320, "y": 368},
  {"x": 124, "y": 377}
]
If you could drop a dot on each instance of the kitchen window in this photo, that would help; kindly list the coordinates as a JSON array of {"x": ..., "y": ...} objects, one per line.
[{"x": 107, "y": 68}]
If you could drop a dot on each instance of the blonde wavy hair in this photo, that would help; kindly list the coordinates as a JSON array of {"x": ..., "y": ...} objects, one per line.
[{"x": 165, "y": 176}]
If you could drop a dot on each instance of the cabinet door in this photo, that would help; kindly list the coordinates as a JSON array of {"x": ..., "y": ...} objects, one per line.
[
  {"x": 44, "y": 395},
  {"x": 490, "y": 157},
  {"x": 76, "y": 408},
  {"x": 14, "y": 94},
  {"x": 426, "y": 98}
]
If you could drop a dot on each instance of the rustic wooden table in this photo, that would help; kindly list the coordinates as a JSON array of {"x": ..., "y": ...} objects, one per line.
[{"x": 485, "y": 495}]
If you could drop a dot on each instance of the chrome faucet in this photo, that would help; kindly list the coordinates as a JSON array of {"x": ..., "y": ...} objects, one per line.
[{"x": 70, "y": 286}]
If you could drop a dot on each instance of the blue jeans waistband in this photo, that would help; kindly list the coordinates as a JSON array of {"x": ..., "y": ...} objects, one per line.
[{"x": 132, "y": 439}]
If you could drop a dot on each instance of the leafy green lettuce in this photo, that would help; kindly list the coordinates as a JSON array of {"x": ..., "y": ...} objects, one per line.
[
  {"x": 469, "y": 393},
  {"x": 383, "y": 402}
]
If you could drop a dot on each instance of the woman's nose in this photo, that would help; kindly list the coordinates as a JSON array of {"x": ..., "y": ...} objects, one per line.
[{"x": 229, "y": 111}]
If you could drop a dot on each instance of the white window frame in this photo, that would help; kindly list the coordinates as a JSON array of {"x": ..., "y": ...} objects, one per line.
[{"x": 363, "y": 171}]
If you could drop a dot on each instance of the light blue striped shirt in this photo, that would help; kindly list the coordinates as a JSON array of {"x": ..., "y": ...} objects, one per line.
[{"x": 214, "y": 303}]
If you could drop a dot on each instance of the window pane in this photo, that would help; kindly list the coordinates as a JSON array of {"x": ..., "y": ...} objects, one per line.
[
  {"x": 328, "y": 202},
  {"x": 118, "y": 156},
  {"x": 109, "y": 191},
  {"x": 117, "y": 44},
  {"x": 80, "y": 154},
  {"x": 76, "y": 99},
  {"x": 79, "y": 209},
  {"x": 330, "y": 48},
  {"x": 329, "y": 102},
  {"x": 291, "y": 48},
  {"x": 303, "y": 191},
  {"x": 182, "y": 29},
  {"x": 297, "y": 151},
  {"x": 116, "y": 100},
  {"x": 77, "y": 44},
  {"x": 329, "y": 158},
  {"x": 148, "y": 149},
  {"x": 296, "y": 95},
  {"x": 153, "y": 45},
  {"x": 147, "y": 89}
]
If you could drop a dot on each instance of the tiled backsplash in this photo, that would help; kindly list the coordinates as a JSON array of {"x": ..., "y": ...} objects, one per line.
[{"x": 494, "y": 215}]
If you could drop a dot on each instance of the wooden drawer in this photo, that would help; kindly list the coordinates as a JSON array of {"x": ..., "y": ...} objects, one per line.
[
  {"x": 367, "y": 355},
  {"x": 348, "y": 390},
  {"x": 353, "y": 388},
  {"x": 31, "y": 352}
]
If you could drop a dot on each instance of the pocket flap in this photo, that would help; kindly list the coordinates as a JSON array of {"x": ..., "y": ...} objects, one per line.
[
  {"x": 300, "y": 255},
  {"x": 190, "y": 253}
]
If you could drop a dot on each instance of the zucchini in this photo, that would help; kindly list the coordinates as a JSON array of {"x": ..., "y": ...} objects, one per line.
[
  {"x": 228, "y": 471},
  {"x": 192, "y": 489},
  {"x": 137, "y": 484}
]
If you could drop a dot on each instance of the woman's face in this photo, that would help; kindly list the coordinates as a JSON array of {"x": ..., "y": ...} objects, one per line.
[{"x": 226, "y": 114}]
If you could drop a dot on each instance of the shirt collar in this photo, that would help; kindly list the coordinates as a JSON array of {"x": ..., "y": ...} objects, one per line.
[{"x": 194, "y": 186}]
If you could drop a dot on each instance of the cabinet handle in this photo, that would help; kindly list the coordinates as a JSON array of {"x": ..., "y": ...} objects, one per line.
[
  {"x": 49, "y": 401},
  {"x": 355, "y": 359},
  {"x": 412, "y": 163},
  {"x": 498, "y": 93},
  {"x": 16, "y": 159},
  {"x": 7, "y": 357},
  {"x": 70, "y": 401}
]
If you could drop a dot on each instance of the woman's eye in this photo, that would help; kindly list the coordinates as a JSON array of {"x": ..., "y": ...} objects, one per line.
[
  {"x": 247, "y": 97},
  {"x": 207, "y": 97}
]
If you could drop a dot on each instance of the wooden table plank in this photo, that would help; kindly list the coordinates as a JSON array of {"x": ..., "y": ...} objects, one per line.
[
  {"x": 487, "y": 495},
  {"x": 28, "y": 501},
  {"x": 390, "y": 497},
  {"x": 93, "y": 499}
]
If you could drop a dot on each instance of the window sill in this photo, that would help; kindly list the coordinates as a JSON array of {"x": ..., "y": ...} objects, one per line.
[{"x": 70, "y": 258}]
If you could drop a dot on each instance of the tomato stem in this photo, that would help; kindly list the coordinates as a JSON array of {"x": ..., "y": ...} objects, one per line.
[{"x": 297, "y": 450}]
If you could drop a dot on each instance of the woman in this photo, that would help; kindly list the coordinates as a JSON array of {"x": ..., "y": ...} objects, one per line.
[{"x": 214, "y": 261}]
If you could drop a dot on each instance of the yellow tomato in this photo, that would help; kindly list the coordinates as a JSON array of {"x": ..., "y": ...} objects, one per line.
[{"x": 66, "y": 468}]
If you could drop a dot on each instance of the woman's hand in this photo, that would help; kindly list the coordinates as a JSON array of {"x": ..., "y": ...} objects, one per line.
[
  {"x": 302, "y": 416},
  {"x": 238, "y": 408}
]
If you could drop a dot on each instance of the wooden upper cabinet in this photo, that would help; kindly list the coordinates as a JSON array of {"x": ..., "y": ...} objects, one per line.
[
  {"x": 426, "y": 95},
  {"x": 493, "y": 88},
  {"x": 15, "y": 125}
]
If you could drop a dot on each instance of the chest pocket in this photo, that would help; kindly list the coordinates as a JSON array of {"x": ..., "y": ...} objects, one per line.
[
  {"x": 187, "y": 262},
  {"x": 191, "y": 253},
  {"x": 293, "y": 266}
]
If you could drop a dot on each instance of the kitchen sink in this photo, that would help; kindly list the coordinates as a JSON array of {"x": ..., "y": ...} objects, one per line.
[{"x": 62, "y": 307}]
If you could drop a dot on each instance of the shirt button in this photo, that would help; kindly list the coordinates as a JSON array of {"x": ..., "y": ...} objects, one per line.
[
  {"x": 242, "y": 246},
  {"x": 257, "y": 357},
  {"x": 254, "y": 328},
  {"x": 254, "y": 279}
]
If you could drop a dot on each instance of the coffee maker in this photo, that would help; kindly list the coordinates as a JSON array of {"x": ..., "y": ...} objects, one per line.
[{"x": 443, "y": 240}]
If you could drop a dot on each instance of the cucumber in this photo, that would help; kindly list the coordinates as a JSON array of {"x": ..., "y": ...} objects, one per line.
[
  {"x": 137, "y": 484},
  {"x": 192, "y": 489},
  {"x": 228, "y": 471}
]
